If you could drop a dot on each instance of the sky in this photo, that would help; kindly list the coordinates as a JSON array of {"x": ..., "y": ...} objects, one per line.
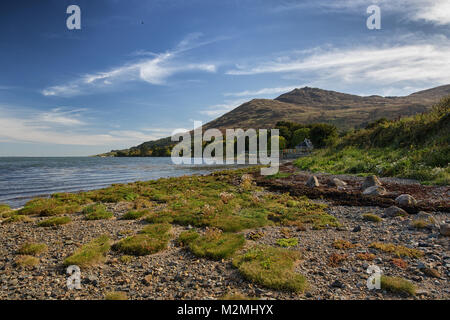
[{"x": 137, "y": 70}]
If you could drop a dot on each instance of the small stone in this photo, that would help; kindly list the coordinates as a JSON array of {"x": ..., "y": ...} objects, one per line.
[
  {"x": 335, "y": 182},
  {"x": 338, "y": 284},
  {"x": 405, "y": 200},
  {"x": 312, "y": 182},
  {"x": 445, "y": 229},
  {"x": 370, "y": 182},
  {"x": 356, "y": 229},
  {"x": 374, "y": 191},
  {"x": 394, "y": 211},
  {"x": 147, "y": 280}
]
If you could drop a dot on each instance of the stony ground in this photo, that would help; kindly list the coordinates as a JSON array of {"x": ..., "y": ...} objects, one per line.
[{"x": 175, "y": 273}]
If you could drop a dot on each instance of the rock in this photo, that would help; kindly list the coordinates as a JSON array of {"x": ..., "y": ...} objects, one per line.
[
  {"x": 405, "y": 200},
  {"x": 338, "y": 284},
  {"x": 370, "y": 182},
  {"x": 147, "y": 280},
  {"x": 445, "y": 229},
  {"x": 356, "y": 229},
  {"x": 312, "y": 182},
  {"x": 335, "y": 182},
  {"x": 374, "y": 191},
  {"x": 394, "y": 211}
]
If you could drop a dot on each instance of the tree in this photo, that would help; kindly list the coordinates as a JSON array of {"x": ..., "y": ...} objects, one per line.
[
  {"x": 299, "y": 136},
  {"x": 323, "y": 134}
]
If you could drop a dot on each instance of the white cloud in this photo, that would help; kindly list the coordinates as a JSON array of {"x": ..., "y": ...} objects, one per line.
[
  {"x": 63, "y": 127},
  {"x": 264, "y": 91},
  {"x": 155, "y": 70},
  {"x": 412, "y": 63},
  {"x": 220, "y": 109}
]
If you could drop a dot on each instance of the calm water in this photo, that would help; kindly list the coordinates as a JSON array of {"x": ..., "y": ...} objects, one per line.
[{"x": 24, "y": 178}]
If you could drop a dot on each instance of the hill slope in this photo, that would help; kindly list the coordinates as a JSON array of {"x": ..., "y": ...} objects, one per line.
[{"x": 311, "y": 105}]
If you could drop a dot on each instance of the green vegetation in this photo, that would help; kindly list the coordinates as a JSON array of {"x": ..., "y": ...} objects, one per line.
[
  {"x": 149, "y": 240},
  {"x": 55, "y": 221},
  {"x": 126, "y": 259},
  {"x": 271, "y": 267},
  {"x": 16, "y": 218},
  {"x": 133, "y": 215},
  {"x": 279, "y": 175},
  {"x": 91, "y": 253},
  {"x": 116, "y": 295},
  {"x": 420, "y": 224},
  {"x": 397, "y": 250},
  {"x": 214, "y": 244},
  {"x": 33, "y": 249},
  {"x": 372, "y": 217},
  {"x": 397, "y": 285},
  {"x": 286, "y": 243},
  {"x": 50, "y": 207},
  {"x": 320, "y": 134},
  {"x": 413, "y": 147},
  {"x": 4, "y": 208},
  {"x": 96, "y": 212},
  {"x": 26, "y": 261}
]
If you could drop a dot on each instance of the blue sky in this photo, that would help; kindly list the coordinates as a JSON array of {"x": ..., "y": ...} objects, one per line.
[{"x": 139, "y": 69}]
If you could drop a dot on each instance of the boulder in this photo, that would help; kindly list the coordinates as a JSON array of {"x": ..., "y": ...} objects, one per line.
[
  {"x": 312, "y": 182},
  {"x": 445, "y": 229},
  {"x": 374, "y": 191},
  {"x": 370, "y": 181},
  {"x": 394, "y": 211},
  {"x": 405, "y": 200},
  {"x": 335, "y": 182}
]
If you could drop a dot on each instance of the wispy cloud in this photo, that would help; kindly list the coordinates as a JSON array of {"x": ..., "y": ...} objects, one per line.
[
  {"x": 155, "y": 70},
  {"x": 388, "y": 65},
  {"x": 260, "y": 92},
  {"x": 63, "y": 126},
  {"x": 220, "y": 109}
]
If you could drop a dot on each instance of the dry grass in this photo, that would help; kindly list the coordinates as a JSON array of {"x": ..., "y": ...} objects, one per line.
[{"x": 399, "y": 251}]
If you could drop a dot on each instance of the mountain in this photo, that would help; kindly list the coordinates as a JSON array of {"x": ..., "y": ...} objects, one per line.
[{"x": 311, "y": 105}]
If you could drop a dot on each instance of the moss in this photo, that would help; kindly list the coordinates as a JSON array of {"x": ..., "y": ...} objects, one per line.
[
  {"x": 397, "y": 250},
  {"x": 116, "y": 295},
  {"x": 336, "y": 259},
  {"x": 96, "y": 212},
  {"x": 26, "y": 261},
  {"x": 271, "y": 267},
  {"x": 343, "y": 244},
  {"x": 151, "y": 239},
  {"x": 55, "y": 221},
  {"x": 285, "y": 243},
  {"x": 214, "y": 244},
  {"x": 133, "y": 215},
  {"x": 398, "y": 285},
  {"x": 16, "y": 218},
  {"x": 49, "y": 207},
  {"x": 33, "y": 249},
  {"x": 91, "y": 253},
  {"x": 126, "y": 259},
  {"x": 372, "y": 217}
]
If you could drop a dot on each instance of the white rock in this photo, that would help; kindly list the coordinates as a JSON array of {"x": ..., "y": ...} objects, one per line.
[
  {"x": 312, "y": 182},
  {"x": 405, "y": 200},
  {"x": 374, "y": 191},
  {"x": 394, "y": 211}
]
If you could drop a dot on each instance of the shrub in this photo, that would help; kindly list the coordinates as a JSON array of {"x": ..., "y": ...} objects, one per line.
[
  {"x": 32, "y": 249},
  {"x": 151, "y": 239},
  {"x": 271, "y": 267},
  {"x": 55, "y": 221},
  {"x": 91, "y": 253},
  {"x": 397, "y": 285},
  {"x": 96, "y": 212}
]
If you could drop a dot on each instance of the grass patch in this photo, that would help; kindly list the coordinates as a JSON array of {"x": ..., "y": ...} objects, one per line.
[
  {"x": 365, "y": 256},
  {"x": 33, "y": 249},
  {"x": 133, "y": 215},
  {"x": 26, "y": 261},
  {"x": 271, "y": 267},
  {"x": 116, "y": 295},
  {"x": 400, "y": 263},
  {"x": 126, "y": 259},
  {"x": 399, "y": 251},
  {"x": 55, "y": 221},
  {"x": 91, "y": 253},
  {"x": 279, "y": 175},
  {"x": 96, "y": 212},
  {"x": 420, "y": 224},
  {"x": 16, "y": 218},
  {"x": 286, "y": 243},
  {"x": 335, "y": 260},
  {"x": 214, "y": 244},
  {"x": 151, "y": 239},
  {"x": 343, "y": 244},
  {"x": 49, "y": 207},
  {"x": 398, "y": 285},
  {"x": 372, "y": 217},
  {"x": 4, "y": 208}
]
